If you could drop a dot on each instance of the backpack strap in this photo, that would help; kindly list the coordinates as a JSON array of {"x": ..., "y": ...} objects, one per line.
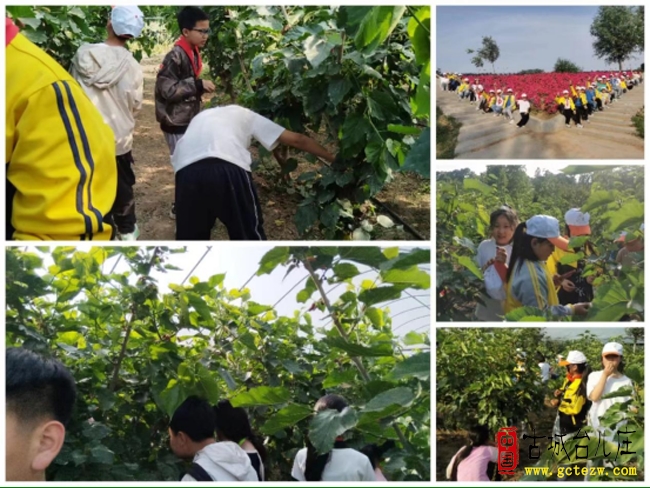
[{"x": 197, "y": 472}]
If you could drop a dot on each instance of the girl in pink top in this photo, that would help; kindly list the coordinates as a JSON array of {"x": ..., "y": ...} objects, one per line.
[{"x": 477, "y": 460}]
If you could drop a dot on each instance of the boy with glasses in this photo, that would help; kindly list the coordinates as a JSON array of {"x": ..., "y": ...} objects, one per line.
[{"x": 178, "y": 86}]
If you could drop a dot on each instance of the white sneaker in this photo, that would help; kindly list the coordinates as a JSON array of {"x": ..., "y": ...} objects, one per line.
[
  {"x": 512, "y": 121},
  {"x": 579, "y": 126},
  {"x": 568, "y": 125},
  {"x": 132, "y": 236}
]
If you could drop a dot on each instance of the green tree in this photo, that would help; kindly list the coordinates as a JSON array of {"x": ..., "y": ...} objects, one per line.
[
  {"x": 488, "y": 52},
  {"x": 531, "y": 71},
  {"x": 137, "y": 351},
  {"x": 636, "y": 333},
  {"x": 565, "y": 66},
  {"x": 619, "y": 33}
]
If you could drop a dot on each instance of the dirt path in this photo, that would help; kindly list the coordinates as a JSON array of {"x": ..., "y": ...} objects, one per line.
[{"x": 409, "y": 196}]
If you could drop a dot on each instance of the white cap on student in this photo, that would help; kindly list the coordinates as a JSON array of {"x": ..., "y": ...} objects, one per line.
[
  {"x": 612, "y": 348},
  {"x": 543, "y": 226},
  {"x": 509, "y": 90},
  {"x": 574, "y": 357},
  {"x": 578, "y": 222},
  {"x": 523, "y": 95},
  {"x": 565, "y": 91},
  {"x": 498, "y": 91},
  {"x": 127, "y": 20}
]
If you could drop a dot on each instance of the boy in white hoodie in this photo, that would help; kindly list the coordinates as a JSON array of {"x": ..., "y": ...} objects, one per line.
[
  {"x": 191, "y": 432},
  {"x": 113, "y": 81}
]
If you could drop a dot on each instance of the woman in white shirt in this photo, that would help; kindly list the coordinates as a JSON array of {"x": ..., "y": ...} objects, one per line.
[
  {"x": 492, "y": 256},
  {"x": 601, "y": 383},
  {"x": 341, "y": 464}
]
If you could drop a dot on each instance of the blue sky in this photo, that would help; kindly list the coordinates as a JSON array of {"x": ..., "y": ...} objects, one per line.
[{"x": 528, "y": 37}]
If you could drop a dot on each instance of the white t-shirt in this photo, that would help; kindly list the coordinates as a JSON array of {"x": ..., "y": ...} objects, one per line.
[
  {"x": 524, "y": 106},
  {"x": 599, "y": 408},
  {"x": 225, "y": 133},
  {"x": 344, "y": 465},
  {"x": 545, "y": 371}
]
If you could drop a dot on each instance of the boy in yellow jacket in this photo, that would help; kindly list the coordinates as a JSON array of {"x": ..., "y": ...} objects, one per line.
[
  {"x": 568, "y": 108},
  {"x": 61, "y": 177}
]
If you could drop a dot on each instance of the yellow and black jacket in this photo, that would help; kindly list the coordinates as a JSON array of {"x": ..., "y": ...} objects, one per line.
[
  {"x": 573, "y": 406},
  {"x": 61, "y": 172}
]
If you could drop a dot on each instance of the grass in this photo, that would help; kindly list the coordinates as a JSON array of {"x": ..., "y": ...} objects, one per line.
[
  {"x": 639, "y": 122},
  {"x": 447, "y": 129}
]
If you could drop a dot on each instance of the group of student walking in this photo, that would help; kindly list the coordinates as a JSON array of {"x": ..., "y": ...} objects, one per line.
[
  {"x": 577, "y": 105},
  {"x": 217, "y": 441},
  {"x": 581, "y": 402},
  {"x": 522, "y": 264},
  {"x": 70, "y": 138}
]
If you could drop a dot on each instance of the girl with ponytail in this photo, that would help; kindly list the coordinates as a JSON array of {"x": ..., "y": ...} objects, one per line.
[
  {"x": 232, "y": 425},
  {"x": 476, "y": 461},
  {"x": 340, "y": 464},
  {"x": 528, "y": 280}
]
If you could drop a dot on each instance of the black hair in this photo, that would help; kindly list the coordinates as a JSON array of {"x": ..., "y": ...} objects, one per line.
[
  {"x": 38, "y": 387},
  {"x": 540, "y": 357},
  {"x": 522, "y": 249},
  {"x": 585, "y": 370},
  {"x": 196, "y": 418},
  {"x": 316, "y": 463},
  {"x": 508, "y": 213},
  {"x": 189, "y": 16},
  {"x": 233, "y": 424},
  {"x": 376, "y": 453},
  {"x": 479, "y": 435}
]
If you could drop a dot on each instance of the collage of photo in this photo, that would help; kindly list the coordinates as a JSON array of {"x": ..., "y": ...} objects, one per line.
[
  {"x": 143, "y": 346},
  {"x": 137, "y": 350}
]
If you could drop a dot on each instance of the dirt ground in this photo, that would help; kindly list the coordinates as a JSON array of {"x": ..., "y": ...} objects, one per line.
[{"x": 409, "y": 196}]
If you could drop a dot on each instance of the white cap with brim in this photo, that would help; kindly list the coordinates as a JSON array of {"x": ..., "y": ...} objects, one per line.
[
  {"x": 574, "y": 357},
  {"x": 543, "y": 227},
  {"x": 523, "y": 95},
  {"x": 612, "y": 348},
  {"x": 127, "y": 20}
]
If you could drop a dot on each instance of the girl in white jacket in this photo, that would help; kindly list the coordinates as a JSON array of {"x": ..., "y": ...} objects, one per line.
[{"x": 492, "y": 256}]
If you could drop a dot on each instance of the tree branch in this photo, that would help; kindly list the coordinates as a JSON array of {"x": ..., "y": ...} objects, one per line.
[
  {"x": 356, "y": 360},
  {"x": 129, "y": 327}
]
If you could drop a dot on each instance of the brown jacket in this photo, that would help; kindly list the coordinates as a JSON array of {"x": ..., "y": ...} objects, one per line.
[{"x": 178, "y": 92}]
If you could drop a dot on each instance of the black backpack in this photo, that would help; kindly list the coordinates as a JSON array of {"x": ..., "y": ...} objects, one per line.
[{"x": 198, "y": 473}]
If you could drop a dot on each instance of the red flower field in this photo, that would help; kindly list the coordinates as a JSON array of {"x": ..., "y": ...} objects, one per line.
[{"x": 541, "y": 88}]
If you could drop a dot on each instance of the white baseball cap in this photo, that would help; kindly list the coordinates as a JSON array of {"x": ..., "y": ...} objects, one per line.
[
  {"x": 498, "y": 91},
  {"x": 523, "y": 95},
  {"x": 612, "y": 348},
  {"x": 565, "y": 91},
  {"x": 578, "y": 222},
  {"x": 509, "y": 90},
  {"x": 543, "y": 227},
  {"x": 491, "y": 91},
  {"x": 127, "y": 20},
  {"x": 574, "y": 357}
]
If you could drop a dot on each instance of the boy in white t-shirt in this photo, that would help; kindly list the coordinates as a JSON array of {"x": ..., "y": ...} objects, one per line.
[{"x": 212, "y": 163}]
